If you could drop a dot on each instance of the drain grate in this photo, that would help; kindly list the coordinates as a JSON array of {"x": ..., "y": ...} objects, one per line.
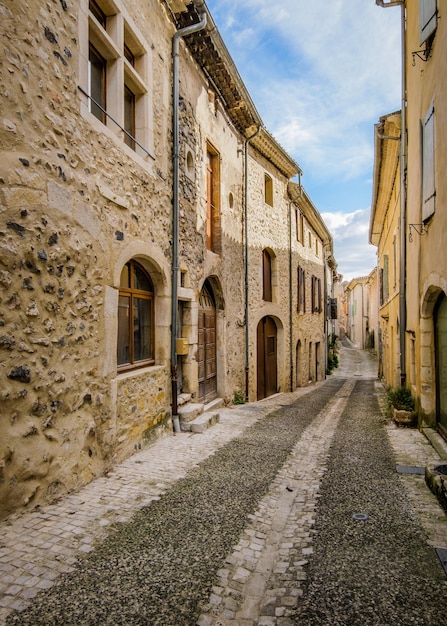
[
  {"x": 442, "y": 555},
  {"x": 410, "y": 469}
]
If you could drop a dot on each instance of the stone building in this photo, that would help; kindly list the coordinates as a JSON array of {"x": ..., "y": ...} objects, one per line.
[
  {"x": 151, "y": 243},
  {"x": 419, "y": 197},
  {"x": 384, "y": 233}
]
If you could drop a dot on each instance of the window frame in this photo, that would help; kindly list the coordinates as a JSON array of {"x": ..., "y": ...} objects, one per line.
[
  {"x": 267, "y": 282},
  {"x": 106, "y": 25},
  {"x": 93, "y": 106},
  {"x": 212, "y": 225},
  {"x": 301, "y": 290},
  {"x": 268, "y": 189},
  {"x": 133, "y": 293}
]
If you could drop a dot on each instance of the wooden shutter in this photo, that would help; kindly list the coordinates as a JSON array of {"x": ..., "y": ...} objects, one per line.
[
  {"x": 266, "y": 276},
  {"x": 428, "y": 15},
  {"x": 428, "y": 164},
  {"x": 386, "y": 289}
]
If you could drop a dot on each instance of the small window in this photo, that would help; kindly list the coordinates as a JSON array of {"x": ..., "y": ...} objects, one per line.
[
  {"x": 268, "y": 190},
  {"x": 212, "y": 201},
  {"x": 129, "y": 55},
  {"x": 99, "y": 14},
  {"x": 97, "y": 84},
  {"x": 266, "y": 276},
  {"x": 129, "y": 117},
  {"x": 301, "y": 291},
  {"x": 135, "y": 346},
  {"x": 316, "y": 295}
]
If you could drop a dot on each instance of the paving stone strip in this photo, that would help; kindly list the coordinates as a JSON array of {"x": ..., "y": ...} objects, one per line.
[
  {"x": 371, "y": 562},
  {"x": 262, "y": 578},
  {"x": 159, "y": 567},
  {"x": 38, "y": 546}
]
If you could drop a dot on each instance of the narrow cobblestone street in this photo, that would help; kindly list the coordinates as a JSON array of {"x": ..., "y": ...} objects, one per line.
[{"x": 289, "y": 511}]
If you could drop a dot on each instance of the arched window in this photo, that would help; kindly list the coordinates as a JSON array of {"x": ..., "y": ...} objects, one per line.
[{"x": 135, "y": 317}]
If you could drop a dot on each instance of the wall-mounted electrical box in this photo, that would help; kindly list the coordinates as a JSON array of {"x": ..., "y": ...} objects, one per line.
[{"x": 182, "y": 346}]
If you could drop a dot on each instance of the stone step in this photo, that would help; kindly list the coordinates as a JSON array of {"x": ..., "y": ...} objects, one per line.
[
  {"x": 183, "y": 398},
  {"x": 217, "y": 403},
  {"x": 189, "y": 412},
  {"x": 200, "y": 423}
]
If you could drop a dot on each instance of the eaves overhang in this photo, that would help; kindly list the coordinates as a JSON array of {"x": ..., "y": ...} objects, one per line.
[
  {"x": 212, "y": 56},
  {"x": 387, "y": 134}
]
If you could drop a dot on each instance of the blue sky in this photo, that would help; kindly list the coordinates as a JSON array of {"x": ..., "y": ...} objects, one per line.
[{"x": 321, "y": 73}]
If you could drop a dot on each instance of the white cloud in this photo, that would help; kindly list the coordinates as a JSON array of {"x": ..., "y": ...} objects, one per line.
[
  {"x": 352, "y": 251},
  {"x": 321, "y": 73},
  {"x": 336, "y": 73}
]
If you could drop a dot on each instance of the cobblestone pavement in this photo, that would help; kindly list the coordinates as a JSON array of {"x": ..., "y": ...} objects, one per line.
[{"x": 261, "y": 578}]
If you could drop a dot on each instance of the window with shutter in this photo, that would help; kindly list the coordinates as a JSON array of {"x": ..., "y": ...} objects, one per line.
[
  {"x": 428, "y": 17},
  {"x": 385, "y": 278},
  {"x": 428, "y": 164},
  {"x": 266, "y": 276}
]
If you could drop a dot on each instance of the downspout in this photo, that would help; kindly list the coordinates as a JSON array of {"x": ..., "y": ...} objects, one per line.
[
  {"x": 290, "y": 297},
  {"x": 403, "y": 199},
  {"x": 247, "y": 360},
  {"x": 183, "y": 32}
]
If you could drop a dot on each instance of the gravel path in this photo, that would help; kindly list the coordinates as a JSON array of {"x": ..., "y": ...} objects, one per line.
[
  {"x": 159, "y": 568},
  {"x": 379, "y": 571}
]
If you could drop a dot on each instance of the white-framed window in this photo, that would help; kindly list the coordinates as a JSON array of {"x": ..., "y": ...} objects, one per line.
[
  {"x": 114, "y": 74},
  {"x": 428, "y": 163}
]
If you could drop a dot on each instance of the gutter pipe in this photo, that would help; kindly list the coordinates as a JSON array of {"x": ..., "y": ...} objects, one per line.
[
  {"x": 291, "y": 204},
  {"x": 247, "y": 360},
  {"x": 291, "y": 350},
  {"x": 183, "y": 32},
  {"x": 403, "y": 198}
]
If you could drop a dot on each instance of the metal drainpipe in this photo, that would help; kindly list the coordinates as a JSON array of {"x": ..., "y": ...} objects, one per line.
[
  {"x": 403, "y": 199},
  {"x": 183, "y": 32},
  {"x": 290, "y": 296},
  {"x": 325, "y": 309},
  {"x": 247, "y": 360}
]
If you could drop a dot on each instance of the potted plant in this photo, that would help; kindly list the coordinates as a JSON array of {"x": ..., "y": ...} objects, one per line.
[{"x": 401, "y": 405}]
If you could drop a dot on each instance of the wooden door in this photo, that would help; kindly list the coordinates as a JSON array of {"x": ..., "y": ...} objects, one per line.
[
  {"x": 267, "y": 377},
  {"x": 206, "y": 356}
]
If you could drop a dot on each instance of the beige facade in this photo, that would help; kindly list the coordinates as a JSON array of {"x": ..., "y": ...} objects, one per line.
[
  {"x": 422, "y": 216},
  {"x": 385, "y": 234},
  {"x": 91, "y": 252}
]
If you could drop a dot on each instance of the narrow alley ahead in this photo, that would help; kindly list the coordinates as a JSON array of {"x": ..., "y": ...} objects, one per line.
[{"x": 290, "y": 511}]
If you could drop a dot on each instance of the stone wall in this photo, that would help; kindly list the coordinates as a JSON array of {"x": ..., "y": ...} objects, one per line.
[{"x": 76, "y": 204}]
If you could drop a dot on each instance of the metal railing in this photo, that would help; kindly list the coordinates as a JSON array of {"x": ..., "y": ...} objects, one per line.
[{"x": 131, "y": 137}]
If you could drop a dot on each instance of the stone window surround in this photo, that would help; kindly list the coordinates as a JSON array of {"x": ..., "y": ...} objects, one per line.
[
  {"x": 120, "y": 31},
  {"x": 153, "y": 261}
]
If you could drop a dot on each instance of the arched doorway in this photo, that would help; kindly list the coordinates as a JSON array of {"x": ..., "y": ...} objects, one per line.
[
  {"x": 440, "y": 320},
  {"x": 267, "y": 357},
  {"x": 206, "y": 353}
]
